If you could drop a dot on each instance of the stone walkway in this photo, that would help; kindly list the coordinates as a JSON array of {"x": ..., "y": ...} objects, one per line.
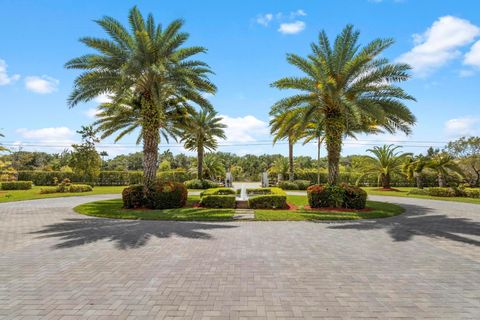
[{"x": 55, "y": 264}]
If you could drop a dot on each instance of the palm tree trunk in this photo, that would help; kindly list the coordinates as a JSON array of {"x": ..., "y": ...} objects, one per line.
[
  {"x": 290, "y": 160},
  {"x": 319, "y": 144},
  {"x": 333, "y": 135},
  {"x": 385, "y": 180},
  {"x": 441, "y": 180},
  {"x": 151, "y": 140},
  {"x": 200, "y": 163},
  {"x": 419, "y": 180}
]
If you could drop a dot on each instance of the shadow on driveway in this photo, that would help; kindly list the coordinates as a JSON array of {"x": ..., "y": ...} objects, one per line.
[
  {"x": 127, "y": 234},
  {"x": 419, "y": 220}
]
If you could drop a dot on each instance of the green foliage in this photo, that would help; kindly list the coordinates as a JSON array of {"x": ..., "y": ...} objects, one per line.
[
  {"x": 200, "y": 184},
  {"x": 440, "y": 192},
  {"x": 176, "y": 175},
  {"x": 349, "y": 88},
  {"x": 218, "y": 201},
  {"x": 133, "y": 196},
  {"x": 267, "y": 198},
  {"x": 217, "y": 191},
  {"x": 66, "y": 187},
  {"x": 86, "y": 161},
  {"x": 16, "y": 185},
  {"x": 331, "y": 196},
  {"x": 166, "y": 195},
  {"x": 294, "y": 185}
]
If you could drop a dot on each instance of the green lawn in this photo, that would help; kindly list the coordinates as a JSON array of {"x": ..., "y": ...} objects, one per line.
[
  {"x": 34, "y": 193},
  {"x": 113, "y": 209}
]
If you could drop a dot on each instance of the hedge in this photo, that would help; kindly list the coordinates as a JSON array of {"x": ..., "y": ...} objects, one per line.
[
  {"x": 72, "y": 188},
  {"x": 201, "y": 184},
  {"x": 16, "y": 185},
  {"x": 447, "y": 192},
  {"x": 267, "y": 198},
  {"x": 218, "y": 201},
  {"x": 217, "y": 191},
  {"x": 167, "y": 195},
  {"x": 294, "y": 185}
]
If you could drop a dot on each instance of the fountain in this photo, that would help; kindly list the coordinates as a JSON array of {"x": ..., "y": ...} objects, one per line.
[{"x": 242, "y": 199}]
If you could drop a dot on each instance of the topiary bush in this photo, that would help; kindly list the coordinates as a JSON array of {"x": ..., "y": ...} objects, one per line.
[
  {"x": 167, "y": 195},
  {"x": 267, "y": 198},
  {"x": 218, "y": 201},
  {"x": 80, "y": 188},
  {"x": 342, "y": 196},
  {"x": 354, "y": 197},
  {"x": 217, "y": 191},
  {"x": 133, "y": 196},
  {"x": 201, "y": 184},
  {"x": 16, "y": 185}
]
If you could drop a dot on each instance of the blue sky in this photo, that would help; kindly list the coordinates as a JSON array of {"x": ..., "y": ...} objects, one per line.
[{"x": 247, "y": 42}]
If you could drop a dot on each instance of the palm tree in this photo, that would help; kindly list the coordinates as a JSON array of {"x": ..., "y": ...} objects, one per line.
[
  {"x": 443, "y": 163},
  {"x": 213, "y": 167},
  {"x": 2, "y": 148},
  {"x": 413, "y": 168},
  {"x": 280, "y": 166},
  {"x": 314, "y": 131},
  {"x": 146, "y": 67},
  {"x": 385, "y": 162},
  {"x": 200, "y": 132},
  {"x": 284, "y": 126},
  {"x": 349, "y": 87}
]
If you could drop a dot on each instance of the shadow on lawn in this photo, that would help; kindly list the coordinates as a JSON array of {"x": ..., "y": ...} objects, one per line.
[
  {"x": 126, "y": 234},
  {"x": 417, "y": 221}
]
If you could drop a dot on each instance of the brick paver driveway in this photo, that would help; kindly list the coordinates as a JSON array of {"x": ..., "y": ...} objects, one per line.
[{"x": 56, "y": 264}]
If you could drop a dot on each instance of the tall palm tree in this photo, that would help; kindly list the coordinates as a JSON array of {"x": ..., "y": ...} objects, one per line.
[
  {"x": 149, "y": 65},
  {"x": 2, "y": 148},
  {"x": 349, "y": 86},
  {"x": 200, "y": 132},
  {"x": 413, "y": 168},
  {"x": 385, "y": 162},
  {"x": 284, "y": 126}
]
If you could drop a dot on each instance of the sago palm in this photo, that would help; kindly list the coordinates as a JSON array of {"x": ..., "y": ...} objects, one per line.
[
  {"x": 349, "y": 86},
  {"x": 150, "y": 63},
  {"x": 385, "y": 162},
  {"x": 201, "y": 131}
]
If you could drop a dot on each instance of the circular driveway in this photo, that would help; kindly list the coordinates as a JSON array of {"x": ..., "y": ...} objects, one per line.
[{"x": 57, "y": 264}]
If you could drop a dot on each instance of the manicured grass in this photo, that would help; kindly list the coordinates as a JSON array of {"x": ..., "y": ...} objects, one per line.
[
  {"x": 380, "y": 210},
  {"x": 34, "y": 193},
  {"x": 403, "y": 192},
  {"x": 113, "y": 209}
]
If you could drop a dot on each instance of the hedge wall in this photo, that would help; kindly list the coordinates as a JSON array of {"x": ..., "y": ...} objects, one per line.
[{"x": 106, "y": 178}]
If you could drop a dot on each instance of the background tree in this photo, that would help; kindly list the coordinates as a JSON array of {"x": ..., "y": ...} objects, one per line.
[
  {"x": 349, "y": 86},
  {"x": 86, "y": 161},
  {"x": 2, "y": 148},
  {"x": 443, "y": 164},
  {"x": 146, "y": 70},
  {"x": 467, "y": 151},
  {"x": 280, "y": 167},
  {"x": 200, "y": 132},
  {"x": 413, "y": 168},
  {"x": 385, "y": 162},
  {"x": 213, "y": 167}
]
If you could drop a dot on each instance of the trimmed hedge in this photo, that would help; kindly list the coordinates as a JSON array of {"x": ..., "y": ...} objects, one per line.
[
  {"x": 167, "y": 195},
  {"x": 218, "y": 201},
  {"x": 267, "y": 198},
  {"x": 447, "y": 192},
  {"x": 341, "y": 196},
  {"x": 16, "y": 185},
  {"x": 294, "y": 185},
  {"x": 71, "y": 188},
  {"x": 217, "y": 191},
  {"x": 176, "y": 175},
  {"x": 201, "y": 184}
]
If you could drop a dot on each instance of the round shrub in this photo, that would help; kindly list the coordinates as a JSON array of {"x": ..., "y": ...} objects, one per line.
[
  {"x": 218, "y": 201},
  {"x": 167, "y": 195},
  {"x": 354, "y": 197},
  {"x": 330, "y": 196},
  {"x": 201, "y": 184},
  {"x": 133, "y": 197},
  {"x": 80, "y": 188}
]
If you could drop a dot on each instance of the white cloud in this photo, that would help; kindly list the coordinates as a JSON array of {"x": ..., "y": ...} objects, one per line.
[
  {"x": 264, "y": 19},
  {"x": 472, "y": 57},
  {"x": 298, "y": 13},
  {"x": 41, "y": 85},
  {"x": 92, "y": 112},
  {"x": 52, "y": 133},
  {"x": 4, "y": 77},
  {"x": 439, "y": 44},
  {"x": 292, "y": 28},
  {"x": 465, "y": 126},
  {"x": 103, "y": 98},
  {"x": 244, "y": 129},
  {"x": 466, "y": 73}
]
